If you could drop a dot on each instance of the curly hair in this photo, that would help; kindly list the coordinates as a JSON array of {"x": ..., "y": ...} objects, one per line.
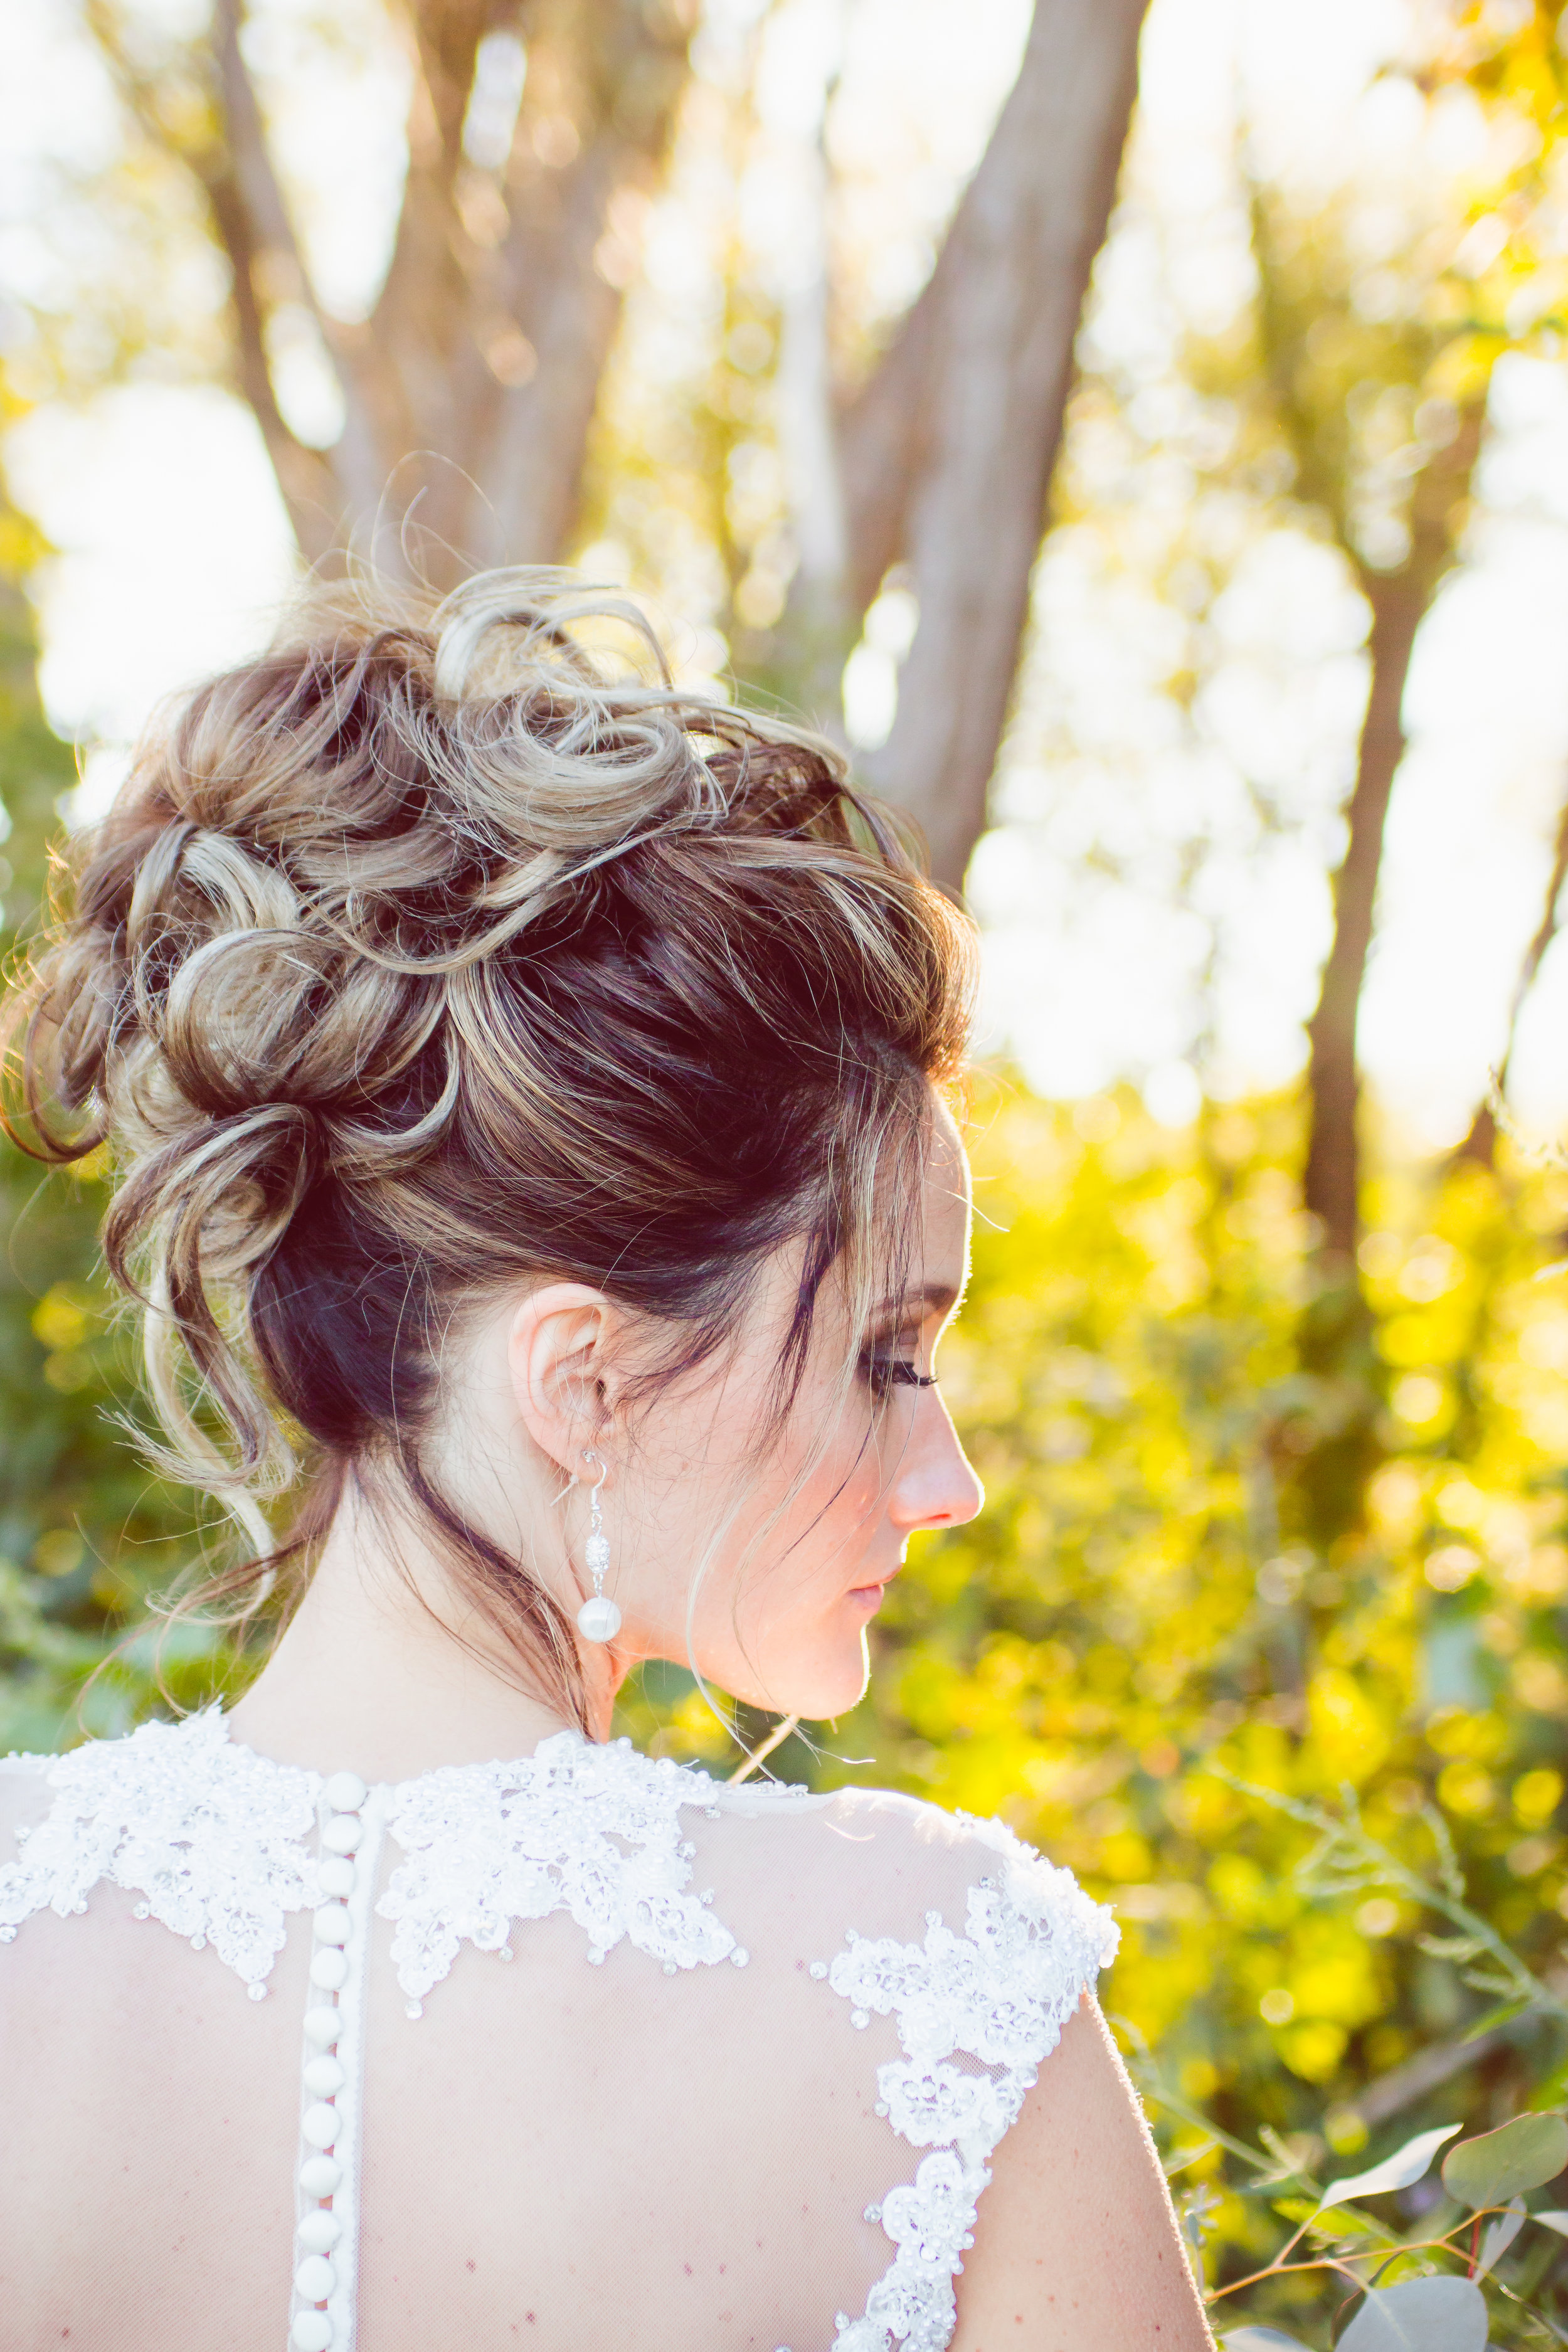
[{"x": 438, "y": 949}]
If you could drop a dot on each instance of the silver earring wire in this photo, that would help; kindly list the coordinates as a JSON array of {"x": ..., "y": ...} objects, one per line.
[{"x": 598, "y": 1620}]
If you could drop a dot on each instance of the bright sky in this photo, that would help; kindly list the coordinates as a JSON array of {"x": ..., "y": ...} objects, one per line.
[{"x": 173, "y": 546}]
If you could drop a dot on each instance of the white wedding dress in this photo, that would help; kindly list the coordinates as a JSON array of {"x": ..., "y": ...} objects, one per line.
[{"x": 584, "y": 2052}]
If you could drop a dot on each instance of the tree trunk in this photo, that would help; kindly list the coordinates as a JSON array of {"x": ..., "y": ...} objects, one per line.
[
  {"x": 471, "y": 391},
  {"x": 1399, "y": 601},
  {"x": 949, "y": 452},
  {"x": 1333, "y": 1081}
]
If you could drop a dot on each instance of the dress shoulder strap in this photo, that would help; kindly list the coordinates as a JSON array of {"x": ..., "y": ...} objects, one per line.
[{"x": 978, "y": 2008}]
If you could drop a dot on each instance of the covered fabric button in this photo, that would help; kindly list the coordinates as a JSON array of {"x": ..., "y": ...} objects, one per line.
[
  {"x": 345, "y": 1792},
  {"x": 321, "y": 2176},
  {"x": 323, "y": 2025},
  {"x": 311, "y": 2331},
  {"x": 336, "y": 1876},
  {"x": 315, "y": 2278},
  {"x": 344, "y": 1835},
  {"x": 330, "y": 1969},
  {"x": 324, "y": 2077},
  {"x": 333, "y": 1924},
  {"x": 318, "y": 2232},
  {"x": 321, "y": 2124}
]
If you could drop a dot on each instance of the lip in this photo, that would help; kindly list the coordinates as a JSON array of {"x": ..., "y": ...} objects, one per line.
[{"x": 868, "y": 1596}]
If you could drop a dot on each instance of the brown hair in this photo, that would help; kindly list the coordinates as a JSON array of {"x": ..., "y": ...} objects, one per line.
[{"x": 434, "y": 951}]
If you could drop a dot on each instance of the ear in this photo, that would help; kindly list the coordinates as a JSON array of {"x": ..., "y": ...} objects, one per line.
[{"x": 560, "y": 1354}]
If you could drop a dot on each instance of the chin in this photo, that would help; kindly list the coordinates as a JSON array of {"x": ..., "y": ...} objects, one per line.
[{"x": 828, "y": 1685}]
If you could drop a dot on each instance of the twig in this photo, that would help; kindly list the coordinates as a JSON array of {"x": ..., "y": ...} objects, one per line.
[{"x": 760, "y": 1754}]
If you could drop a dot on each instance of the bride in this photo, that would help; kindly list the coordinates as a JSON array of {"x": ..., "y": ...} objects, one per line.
[{"x": 529, "y": 1091}]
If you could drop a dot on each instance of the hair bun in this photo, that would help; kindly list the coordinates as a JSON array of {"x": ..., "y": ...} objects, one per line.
[{"x": 580, "y": 754}]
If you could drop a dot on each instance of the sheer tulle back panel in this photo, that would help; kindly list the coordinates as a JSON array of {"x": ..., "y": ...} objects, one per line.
[
  {"x": 557, "y": 2154},
  {"x": 151, "y": 2116}
]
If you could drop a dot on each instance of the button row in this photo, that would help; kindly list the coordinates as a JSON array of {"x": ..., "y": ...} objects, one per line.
[{"x": 320, "y": 2127}]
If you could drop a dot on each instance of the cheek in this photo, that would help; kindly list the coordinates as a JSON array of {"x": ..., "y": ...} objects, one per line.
[{"x": 843, "y": 1502}]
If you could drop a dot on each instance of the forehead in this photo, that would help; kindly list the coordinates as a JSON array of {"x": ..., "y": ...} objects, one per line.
[{"x": 945, "y": 1191}]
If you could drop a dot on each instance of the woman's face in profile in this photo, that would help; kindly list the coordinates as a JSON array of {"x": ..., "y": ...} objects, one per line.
[{"x": 778, "y": 1616}]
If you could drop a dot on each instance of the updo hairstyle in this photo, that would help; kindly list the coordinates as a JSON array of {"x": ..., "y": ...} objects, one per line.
[{"x": 435, "y": 952}]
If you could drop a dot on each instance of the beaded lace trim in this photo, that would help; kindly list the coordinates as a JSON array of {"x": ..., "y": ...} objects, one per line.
[
  {"x": 216, "y": 1840},
  {"x": 999, "y": 1995},
  {"x": 211, "y": 1837},
  {"x": 490, "y": 1843}
]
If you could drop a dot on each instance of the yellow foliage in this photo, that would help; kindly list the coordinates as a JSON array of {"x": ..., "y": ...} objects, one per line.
[
  {"x": 65, "y": 1316},
  {"x": 1313, "y": 2051},
  {"x": 1466, "y": 1788},
  {"x": 1348, "y": 1738},
  {"x": 1537, "y": 1795}
]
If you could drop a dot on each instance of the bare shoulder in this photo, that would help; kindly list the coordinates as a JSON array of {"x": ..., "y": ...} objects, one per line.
[
  {"x": 1076, "y": 2245},
  {"x": 895, "y": 1865}
]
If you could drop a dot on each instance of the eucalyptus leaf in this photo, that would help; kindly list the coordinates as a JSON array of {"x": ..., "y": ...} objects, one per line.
[
  {"x": 1501, "y": 2163},
  {"x": 1259, "y": 2339},
  {"x": 1503, "y": 2014},
  {"x": 1499, "y": 2235},
  {"x": 1400, "y": 2170},
  {"x": 1425, "y": 2315},
  {"x": 1554, "y": 2218},
  {"x": 1451, "y": 1947}
]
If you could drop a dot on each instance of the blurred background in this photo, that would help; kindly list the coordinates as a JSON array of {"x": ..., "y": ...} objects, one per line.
[{"x": 1143, "y": 438}]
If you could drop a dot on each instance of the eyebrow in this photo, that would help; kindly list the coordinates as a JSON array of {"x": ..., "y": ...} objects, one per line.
[{"x": 936, "y": 1297}]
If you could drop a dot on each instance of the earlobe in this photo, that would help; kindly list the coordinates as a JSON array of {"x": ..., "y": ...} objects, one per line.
[{"x": 558, "y": 1356}]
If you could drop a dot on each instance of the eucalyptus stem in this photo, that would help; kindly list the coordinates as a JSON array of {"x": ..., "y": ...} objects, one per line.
[{"x": 1374, "y": 1864}]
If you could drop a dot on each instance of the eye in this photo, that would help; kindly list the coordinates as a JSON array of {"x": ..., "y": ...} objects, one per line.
[{"x": 883, "y": 1369}]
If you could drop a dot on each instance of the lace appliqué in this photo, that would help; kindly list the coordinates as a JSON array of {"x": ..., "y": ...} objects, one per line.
[
  {"x": 999, "y": 1995},
  {"x": 210, "y": 1836},
  {"x": 594, "y": 1830}
]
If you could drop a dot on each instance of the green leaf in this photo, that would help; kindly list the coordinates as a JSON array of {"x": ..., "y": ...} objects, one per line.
[
  {"x": 1500, "y": 2235},
  {"x": 1505, "y": 2011},
  {"x": 1259, "y": 2339},
  {"x": 1399, "y": 2171},
  {"x": 1451, "y": 1947},
  {"x": 1551, "y": 2090},
  {"x": 1501, "y": 2164},
  {"x": 1428, "y": 2314}
]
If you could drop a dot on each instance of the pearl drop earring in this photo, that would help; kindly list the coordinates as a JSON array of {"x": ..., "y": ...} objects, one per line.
[{"x": 598, "y": 1620}]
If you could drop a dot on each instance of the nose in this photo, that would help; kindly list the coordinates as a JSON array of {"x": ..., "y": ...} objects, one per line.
[{"x": 936, "y": 1484}]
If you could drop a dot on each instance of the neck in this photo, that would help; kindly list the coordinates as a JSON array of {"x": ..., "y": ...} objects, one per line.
[{"x": 384, "y": 1672}]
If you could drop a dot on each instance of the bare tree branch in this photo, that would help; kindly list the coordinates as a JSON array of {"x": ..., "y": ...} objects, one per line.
[
  {"x": 304, "y": 477},
  {"x": 948, "y": 457},
  {"x": 1481, "y": 1143}
]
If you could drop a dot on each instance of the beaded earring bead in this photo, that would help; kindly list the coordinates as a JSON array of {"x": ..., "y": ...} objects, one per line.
[{"x": 598, "y": 1620}]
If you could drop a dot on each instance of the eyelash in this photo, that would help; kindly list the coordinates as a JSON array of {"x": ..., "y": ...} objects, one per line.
[{"x": 883, "y": 1373}]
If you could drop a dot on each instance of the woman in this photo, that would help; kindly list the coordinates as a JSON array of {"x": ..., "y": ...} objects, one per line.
[{"x": 529, "y": 1094}]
